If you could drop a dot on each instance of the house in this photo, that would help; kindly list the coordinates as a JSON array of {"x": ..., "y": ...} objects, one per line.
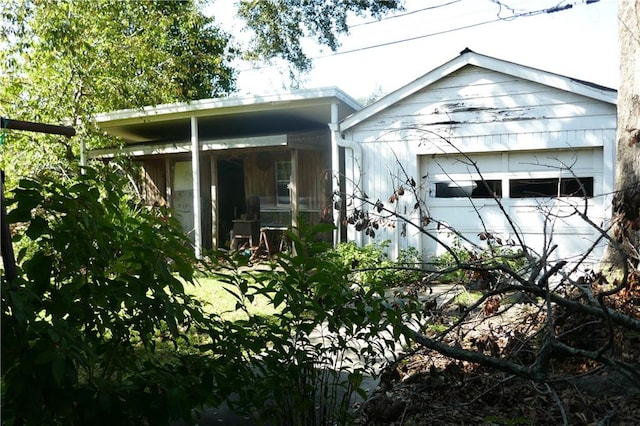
[
  {"x": 472, "y": 129},
  {"x": 478, "y": 127},
  {"x": 236, "y": 164}
]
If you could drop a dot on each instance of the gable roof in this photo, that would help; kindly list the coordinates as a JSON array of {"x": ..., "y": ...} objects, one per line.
[{"x": 469, "y": 57}]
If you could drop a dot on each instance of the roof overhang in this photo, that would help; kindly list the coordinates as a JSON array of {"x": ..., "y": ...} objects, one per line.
[{"x": 229, "y": 118}]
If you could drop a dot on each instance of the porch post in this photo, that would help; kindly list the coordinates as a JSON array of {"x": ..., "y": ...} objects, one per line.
[
  {"x": 335, "y": 169},
  {"x": 293, "y": 189},
  {"x": 168, "y": 182},
  {"x": 195, "y": 168},
  {"x": 215, "y": 238},
  {"x": 83, "y": 155}
]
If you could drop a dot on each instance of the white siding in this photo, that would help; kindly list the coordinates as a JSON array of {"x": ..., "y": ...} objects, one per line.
[
  {"x": 475, "y": 110},
  {"x": 477, "y": 102}
]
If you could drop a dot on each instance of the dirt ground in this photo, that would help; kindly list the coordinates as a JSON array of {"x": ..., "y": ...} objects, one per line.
[{"x": 425, "y": 388}]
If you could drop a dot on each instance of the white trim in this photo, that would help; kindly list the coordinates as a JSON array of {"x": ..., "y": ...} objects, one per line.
[
  {"x": 471, "y": 58},
  {"x": 184, "y": 147},
  {"x": 195, "y": 168},
  {"x": 214, "y": 106}
]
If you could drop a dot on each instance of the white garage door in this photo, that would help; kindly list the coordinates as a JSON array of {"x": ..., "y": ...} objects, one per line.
[{"x": 539, "y": 192}]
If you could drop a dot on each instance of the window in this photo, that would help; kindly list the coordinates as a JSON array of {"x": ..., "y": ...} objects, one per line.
[
  {"x": 473, "y": 189},
  {"x": 551, "y": 187},
  {"x": 283, "y": 176}
]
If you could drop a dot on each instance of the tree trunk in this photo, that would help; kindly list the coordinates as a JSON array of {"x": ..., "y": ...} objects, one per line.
[{"x": 626, "y": 201}]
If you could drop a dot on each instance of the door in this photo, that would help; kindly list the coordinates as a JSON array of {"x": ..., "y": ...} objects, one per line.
[
  {"x": 538, "y": 191},
  {"x": 231, "y": 197}
]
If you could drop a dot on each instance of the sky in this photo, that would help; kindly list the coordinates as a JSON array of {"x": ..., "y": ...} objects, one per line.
[{"x": 579, "y": 42}]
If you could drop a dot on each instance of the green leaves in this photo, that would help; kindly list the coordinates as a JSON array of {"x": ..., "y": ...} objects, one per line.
[
  {"x": 324, "y": 320},
  {"x": 280, "y": 25},
  {"x": 100, "y": 280},
  {"x": 65, "y": 61}
]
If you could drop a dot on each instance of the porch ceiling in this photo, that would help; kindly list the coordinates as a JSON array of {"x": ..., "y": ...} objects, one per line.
[{"x": 229, "y": 117}]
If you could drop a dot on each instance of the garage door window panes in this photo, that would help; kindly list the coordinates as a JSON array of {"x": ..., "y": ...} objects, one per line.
[
  {"x": 551, "y": 187},
  {"x": 466, "y": 189}
]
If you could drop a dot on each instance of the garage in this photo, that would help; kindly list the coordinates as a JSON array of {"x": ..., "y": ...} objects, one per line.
[{"x": 497, "y": 147}]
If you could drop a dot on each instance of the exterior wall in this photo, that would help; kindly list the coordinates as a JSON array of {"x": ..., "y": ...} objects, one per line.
[
  {"x": 475, "y": 110},
  {"x": 153, "y": 182}
]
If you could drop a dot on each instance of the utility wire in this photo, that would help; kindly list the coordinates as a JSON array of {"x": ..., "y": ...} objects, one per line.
[
  {"x": 389, "y": 43},
  {"x": 401, "y": 15},
  {"x": 557, "y": 8}
]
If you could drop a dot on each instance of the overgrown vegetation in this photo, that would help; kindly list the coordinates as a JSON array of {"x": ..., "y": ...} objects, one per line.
[
  {"x": 371, "y": 264},
  {"x": 536, "y": 321},
  {"x": 495, "y": 252},
  {"x": 100, "y": 286},
  {"x": 98, "y": 327},
  {"x": 328, "y": 332}
]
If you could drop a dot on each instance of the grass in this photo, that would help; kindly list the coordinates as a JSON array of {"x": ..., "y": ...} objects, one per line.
[
  {"x": 467, "y": 298},
  {"x": 216, "y": 299}
]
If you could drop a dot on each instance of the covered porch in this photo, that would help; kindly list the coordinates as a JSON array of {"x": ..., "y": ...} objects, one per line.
[{"x": 235, "y": 162}]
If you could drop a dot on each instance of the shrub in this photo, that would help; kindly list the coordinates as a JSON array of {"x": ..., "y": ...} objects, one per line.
[
  {"x": 370, "y": 264},
  {"x": 470, "y": 259},
  {"x": 307, "y": 363},
  {"x": 100, "y": 286},
  {"x": 98, "y": 328}
]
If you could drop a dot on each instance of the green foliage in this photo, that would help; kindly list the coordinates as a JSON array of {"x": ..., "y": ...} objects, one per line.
[
  {"x": 99, "y": 289},
  {"x": 98, "y": 327},
  {"x": 449, "y": 265},
  {"x": 370, "y": 264},
  {"x": 279, "y": 25},
  {"x": 466, "y": 263},
  {"x": 64, "y": 61},
  {"x": 304, "y": 361}
]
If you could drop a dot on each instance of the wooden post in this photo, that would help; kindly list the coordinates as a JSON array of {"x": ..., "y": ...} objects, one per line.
[
  {"x": 293, "y": 190},
  {"x": 195, "y": 168},
  {"x": 335, "y": 170},
  {"x": 6, "y": 247},
  {"x": 214, "y": 202}
]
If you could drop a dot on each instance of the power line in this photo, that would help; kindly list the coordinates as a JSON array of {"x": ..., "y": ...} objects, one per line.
[
  {"x": 402, "y": 15},
  {"x": 557, "y": 8},
  {"x": 389, "y": 43}
]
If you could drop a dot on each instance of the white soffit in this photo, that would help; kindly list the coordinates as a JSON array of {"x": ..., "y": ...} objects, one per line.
[
  {"x": 205, "y": 107},
  {"x": 185, "y": 147}
]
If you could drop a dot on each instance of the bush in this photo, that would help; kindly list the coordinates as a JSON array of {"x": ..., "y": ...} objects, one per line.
[
  {"x": 309, "y": 360},
  {"x": 371, "y": 265},
  {"x": 98, "y": 328},
  {"x": 100, "y": 287},
  {"x": 472, "y": 262}
]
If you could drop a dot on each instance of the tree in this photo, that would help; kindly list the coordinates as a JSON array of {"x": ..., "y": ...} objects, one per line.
[
  {"x": 64, "y": 61},
  {"x": 521, "y": 313},
  {"x": 280, "y": 25},
  {"x": 626, "y": 202}
]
